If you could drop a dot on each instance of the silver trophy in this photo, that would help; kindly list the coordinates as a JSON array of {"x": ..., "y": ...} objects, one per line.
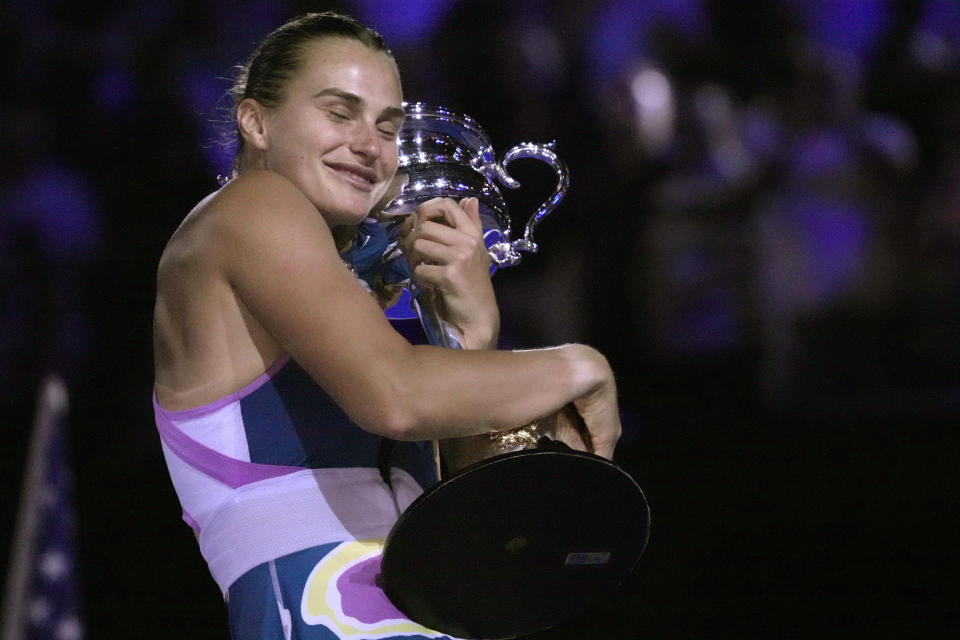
[
  {"x": 518, "y": 512},
  {"x": 444, "y": 154}
]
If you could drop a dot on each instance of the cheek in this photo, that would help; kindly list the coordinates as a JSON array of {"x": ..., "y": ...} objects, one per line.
[{"x": 391, "y": 159}]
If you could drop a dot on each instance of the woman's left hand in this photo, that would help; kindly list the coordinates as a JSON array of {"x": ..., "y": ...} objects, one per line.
[{"x": 443, "y": 244}]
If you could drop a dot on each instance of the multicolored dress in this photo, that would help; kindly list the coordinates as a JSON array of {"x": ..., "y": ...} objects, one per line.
[{"x": 291, "y": 502}]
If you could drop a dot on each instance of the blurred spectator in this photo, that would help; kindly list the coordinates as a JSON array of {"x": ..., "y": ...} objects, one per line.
[{"x": 50, "y": 235}]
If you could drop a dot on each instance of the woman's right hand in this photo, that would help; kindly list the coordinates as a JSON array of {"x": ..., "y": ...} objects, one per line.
[
  {"x": 591, "y": 422},
  {"x": 599, "y": 410},
  {"x": 443, "y": 243}
]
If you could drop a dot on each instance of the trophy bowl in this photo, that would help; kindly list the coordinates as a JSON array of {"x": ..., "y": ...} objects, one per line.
[{"x": 449, "y": 155}]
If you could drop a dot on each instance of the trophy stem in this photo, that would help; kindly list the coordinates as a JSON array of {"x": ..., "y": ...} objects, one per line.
[{"x": 439, "y": 332}]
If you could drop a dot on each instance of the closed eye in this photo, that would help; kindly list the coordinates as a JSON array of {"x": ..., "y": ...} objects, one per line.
[{"x": 389, "y": 127}]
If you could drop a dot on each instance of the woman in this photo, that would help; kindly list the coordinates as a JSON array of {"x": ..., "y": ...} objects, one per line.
[{"x": 278, "y": 377}]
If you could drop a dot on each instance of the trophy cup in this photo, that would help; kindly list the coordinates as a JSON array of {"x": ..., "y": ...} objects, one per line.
[
  {"x": 527, "y": 531},
  {"x": 444, "y": 154}
]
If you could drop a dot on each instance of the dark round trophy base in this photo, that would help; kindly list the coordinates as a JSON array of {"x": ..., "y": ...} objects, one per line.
[{"x": 515, "y": 544}]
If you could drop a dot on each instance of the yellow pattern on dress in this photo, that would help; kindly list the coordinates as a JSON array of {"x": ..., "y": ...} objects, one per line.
[{"x": 321, "y": 603}]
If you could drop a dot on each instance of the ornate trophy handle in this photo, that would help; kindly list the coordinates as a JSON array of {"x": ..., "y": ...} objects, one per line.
[{"x": 507, "y": 253}]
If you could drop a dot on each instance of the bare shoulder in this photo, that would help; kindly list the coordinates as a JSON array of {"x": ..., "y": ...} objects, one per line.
[
  {"x": 206, "y": 341},
  {"x": 255, "y": 202},
  {"x": 253, "y": 209},
  {"x": 261, "y": 211},
  {"x": 255, "y": 190}
]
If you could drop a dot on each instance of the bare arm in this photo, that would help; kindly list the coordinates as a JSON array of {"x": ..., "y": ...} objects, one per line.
[
  {"x": 444, "y": 244},
  {"x": 281, "y": 262}
]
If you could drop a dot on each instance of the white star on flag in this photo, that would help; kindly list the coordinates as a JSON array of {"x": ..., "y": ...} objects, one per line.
[{"x": 54, "y": 565}]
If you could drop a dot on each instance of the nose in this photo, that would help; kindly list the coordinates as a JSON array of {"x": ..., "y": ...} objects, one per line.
[{"x": 366, "y": 141}]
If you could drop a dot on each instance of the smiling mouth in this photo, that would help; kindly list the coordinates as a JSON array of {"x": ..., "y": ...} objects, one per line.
[{"x": 360, "y": 177}]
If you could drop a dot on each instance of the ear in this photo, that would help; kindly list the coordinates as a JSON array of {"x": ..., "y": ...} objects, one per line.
[{"x": 250, "y": 121}]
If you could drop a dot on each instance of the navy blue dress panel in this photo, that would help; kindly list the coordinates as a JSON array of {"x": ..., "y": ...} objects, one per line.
[
  {"x": 291, "y": 421},
  {"x": 249, "y": 609}
]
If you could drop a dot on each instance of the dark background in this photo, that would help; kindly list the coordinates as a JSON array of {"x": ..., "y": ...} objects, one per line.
[{"x": 762, "y": 235}]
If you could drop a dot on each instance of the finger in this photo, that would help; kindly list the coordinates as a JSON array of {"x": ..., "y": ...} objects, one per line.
[
  {"x": 574, "y": 421},
  {"x": 435, "y": 208},
  {"x": 458, "y": 218},
  {"x": 472, "y": 207},
  {"x": 450, "y": 212},
  {"x": 429, "y": 274},
  {"x": 437, "y": 252},
  {"x": 564, "y": 426},
  {"x": 406, "y": 232},
  {"x": 606, "y": 451},
  {"x": 431, "y": 222},
  {"x": 575, "y": 442},
  {"x": 419, "y": 249},
  {"x": 447, "y": 277},
  {"x": 440, "y": 232}
]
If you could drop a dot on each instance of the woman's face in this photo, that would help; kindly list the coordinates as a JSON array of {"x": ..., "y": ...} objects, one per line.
[{"x": 335, "y": 134}]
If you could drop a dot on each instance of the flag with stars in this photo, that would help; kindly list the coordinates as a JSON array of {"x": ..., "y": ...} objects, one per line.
[{"x": 42, "y": 597}]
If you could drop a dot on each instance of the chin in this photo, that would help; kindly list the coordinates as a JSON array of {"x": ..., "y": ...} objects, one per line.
[
  {"x": 340, "y": 217},
  {"x": 344, "y": 210}
]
